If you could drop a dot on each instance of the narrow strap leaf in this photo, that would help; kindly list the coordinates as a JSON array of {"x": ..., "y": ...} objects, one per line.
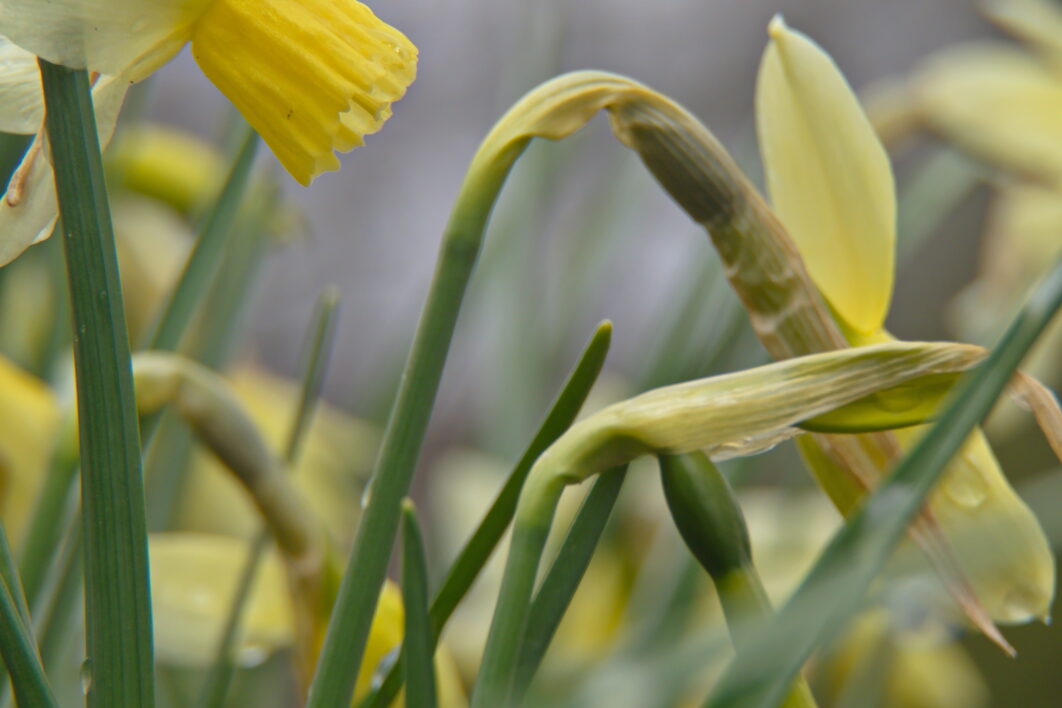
[
  {"x": 117, "y": 601},
  {"x": 19, "y": 652},
  {"x": 418, "y": 644}
]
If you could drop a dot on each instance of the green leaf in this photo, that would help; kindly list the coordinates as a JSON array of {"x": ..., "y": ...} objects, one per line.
[
  {"x": 204, "y": 260},
  {"x": 763, "y": 668},
  {"x": 565, "y": 574},
  {"x": 484, "y": 540},
  {"x": 17, "y": 646},
  {"x": 418, "y": 643},
  {"x": 117, "y": 601}
]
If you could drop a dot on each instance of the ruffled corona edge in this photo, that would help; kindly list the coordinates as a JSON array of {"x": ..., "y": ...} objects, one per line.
[{"x": 311, "y": 76}]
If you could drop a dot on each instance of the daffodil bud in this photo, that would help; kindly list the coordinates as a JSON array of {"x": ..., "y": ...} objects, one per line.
[
  {"x": 706, "y": 513},
  {"x": 750, "y": 411}
]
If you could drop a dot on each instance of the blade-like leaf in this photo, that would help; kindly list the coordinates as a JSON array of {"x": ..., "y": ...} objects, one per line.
[
  {"x": 418, "y": 644},
  {"x": 117, "y": 602},
  {"x": 17, "y": 646}
]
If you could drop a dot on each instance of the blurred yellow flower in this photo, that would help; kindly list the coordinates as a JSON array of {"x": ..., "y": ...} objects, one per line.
[
  {"x": 30, "y": 419},
  {"x": 1002, "y": 103},
  {"x": 194, "y": 578},
  {"x": 831, "y": 185}
]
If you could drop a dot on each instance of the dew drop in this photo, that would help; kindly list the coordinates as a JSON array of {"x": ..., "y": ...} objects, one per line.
[
  {"x": 966, "y": 488},
  {"x": 86, "y": 676}
]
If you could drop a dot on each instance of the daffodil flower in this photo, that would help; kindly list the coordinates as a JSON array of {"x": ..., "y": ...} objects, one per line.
[
  {"x": 311, "y": 76},
  {"x": 1002, "y": 103},
  {"x": 831, "y": 185},
  {"x": 28, "y": 208}
]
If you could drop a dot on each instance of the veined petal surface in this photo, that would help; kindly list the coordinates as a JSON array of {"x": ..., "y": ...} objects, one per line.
[
  {"x": 999, "y": 103},
  {"x": 828, "y": 176},
  {"x": 107, "y": 36},
  {"x": 21, "y": 101},
  {"x": 312, "y": 76}
]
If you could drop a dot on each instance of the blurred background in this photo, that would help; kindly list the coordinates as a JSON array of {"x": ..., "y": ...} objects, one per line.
[{"x": 583, "y": 233}]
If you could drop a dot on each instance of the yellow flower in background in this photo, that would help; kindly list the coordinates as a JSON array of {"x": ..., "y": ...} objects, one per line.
[
  {"x": 1001, "y": 102},
  {"x": 997, "y": 100},
  {"x": 194, "y": 578},
  {"x": 311, "y": 76},
  {"x": 918, "y": 666},
  {"x": 30, "y": 418},
  {"x": 831, "y": 185}
]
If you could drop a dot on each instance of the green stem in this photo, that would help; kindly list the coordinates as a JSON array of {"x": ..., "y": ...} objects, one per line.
[
  {"x": 51, "y": 515},
  {"x": 558, "y": 587},
  {"x": 17, "y": 647},
  {"x": 708, "y": 516},
  {"x": 418, "y": 644},
  {"x": 205, "y": 258},
  {"x": 534, "y": 515},
  {"x": 348, "y": 628},
  {"x": 117, "y": 600}
]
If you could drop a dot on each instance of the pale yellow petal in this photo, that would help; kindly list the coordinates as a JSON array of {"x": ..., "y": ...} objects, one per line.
[
  {"x": 997, "y": 540},
  {"x": 107, "y": 36},
  {"x": 21, "y": 102},
  {"x": 828, "y": 176},
  {"x": 193, "y": 579},
  {"x": 997, "y": 102},
  {"x": 1038, "y": 22},
  {"x": 28, "y": 209},
  {"x": 29, "y": 421}
]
